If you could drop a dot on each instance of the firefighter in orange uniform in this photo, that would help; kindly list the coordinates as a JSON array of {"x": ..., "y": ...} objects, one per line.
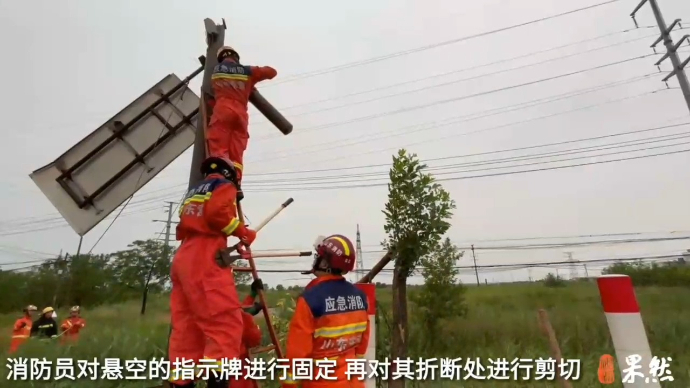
[
  {"x": 205, "y": 310},
  {"x": 330, "y": 320},
  {"x": 227, "y": 135},
  {"x": 72, "y": 325},
  {"x": 22, "y": 328},
  {"x": 251, "y": 333}
]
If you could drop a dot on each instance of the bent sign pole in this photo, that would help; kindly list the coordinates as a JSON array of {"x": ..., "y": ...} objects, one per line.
[{"x": 626, "y": 327}]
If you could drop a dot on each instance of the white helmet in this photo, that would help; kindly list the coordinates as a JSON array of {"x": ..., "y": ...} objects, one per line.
[
  {"x": 318, "y": 241},
  {"x": 227, "y": 51}
]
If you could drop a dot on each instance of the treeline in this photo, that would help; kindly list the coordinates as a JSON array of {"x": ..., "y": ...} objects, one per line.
[
  {"x": 670, "y": 274},
  {"x": 88, "y": 280}
]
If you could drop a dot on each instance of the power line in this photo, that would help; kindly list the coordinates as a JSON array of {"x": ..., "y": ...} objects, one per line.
[
  {"x": 513, "y": 266},
  {"x": 63, "y": 224},
  {"x": 526, "y": 66},
  {"x": 383, "y": 184},
  {"x": 587, "y": 149},
  {"x": 303, "y": 186},
  {"x": 533, "y": 53},
  {"x": 465, "y": 97},
  {"x": 29, "y": 220},
  {"x": 431, "y": 46},
  {"x": 427, "y": 126},
  {"x": 386, "y": 165}
]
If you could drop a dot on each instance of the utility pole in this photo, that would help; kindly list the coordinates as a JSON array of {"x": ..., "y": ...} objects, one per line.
[
  {"x": 166, "y": 254},
  {"x": 476, "y": 272},
  {"x": 671, "y": 48},
  {"x": 586, "y": 272},
  {"x": 360, "y": 259},
  {"x": 60, "y": 263}
]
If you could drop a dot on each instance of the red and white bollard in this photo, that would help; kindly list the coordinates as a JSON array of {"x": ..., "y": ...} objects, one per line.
[
  {"x": 626, "y": 327},
  {"x": 370, "y": 290}
]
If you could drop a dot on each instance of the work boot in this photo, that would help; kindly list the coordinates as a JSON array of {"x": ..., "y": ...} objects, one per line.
[{"x": 214, "y": 382}]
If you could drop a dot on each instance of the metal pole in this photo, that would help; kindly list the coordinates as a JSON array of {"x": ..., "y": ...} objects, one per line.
[
  {"x": 476, "y": 272},
  {"x": 62, "y": 271},
  {"x": 81, "y": 240},
  {"x": 167, "y": 227},
  {"x": 215, "y": 39},
  {"x": 671, "y": 49},
  {"x": 360, "y": 259}
]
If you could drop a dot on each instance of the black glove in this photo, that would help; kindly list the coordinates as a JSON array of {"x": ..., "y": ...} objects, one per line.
[
  {"x": 240, "y": 194},
  {"x": 253, "y": 309},
  {"x": 257, "y": 285},
  {"x": 256, "y": 308}
]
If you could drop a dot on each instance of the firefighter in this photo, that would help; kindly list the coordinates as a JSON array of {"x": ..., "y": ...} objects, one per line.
[
  {"x": 232, "y": 83},
  {"x": 205, "y": 309},
  {"x": 22, "y": 328},
  {"x": 45, "y": 326},
  {"x": 72, "y": 325},
  {"x": 330, "y": 319},
  {"x": 251, "y": 333}
]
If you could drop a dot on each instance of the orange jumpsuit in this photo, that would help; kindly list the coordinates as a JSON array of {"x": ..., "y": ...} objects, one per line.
[
  {"x": 20, "y": 332},
  {"x": 72, "y": 326},
  {"x": 330, "y": 321},
  {"x": 205, "y": 309},
  {"x": 227, "y": 134}
]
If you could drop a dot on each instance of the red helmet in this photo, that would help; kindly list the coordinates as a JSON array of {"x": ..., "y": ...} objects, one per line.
[{"x": 338, "y": 253}]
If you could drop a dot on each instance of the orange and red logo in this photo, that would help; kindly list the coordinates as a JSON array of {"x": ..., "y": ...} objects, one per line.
[{"x": 607, "y": 372}]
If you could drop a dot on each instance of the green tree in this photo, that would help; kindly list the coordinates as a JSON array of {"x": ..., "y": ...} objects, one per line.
[
  {"x": 441, "y": 296},
  {"x": 553, "y": 281},
  {"x": 242, "y": 278},
  {"x": 88, "y": 281},
  {"x": 145, "y": 266},
  {"x": 417, "y": 214}
]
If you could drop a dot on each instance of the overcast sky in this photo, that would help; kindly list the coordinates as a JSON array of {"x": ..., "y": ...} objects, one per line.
[{"x": 71, "y": 65}]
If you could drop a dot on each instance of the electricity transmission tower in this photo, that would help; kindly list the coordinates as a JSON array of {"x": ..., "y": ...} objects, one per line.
[
  {"x": 360, "y": 259},
  {"x": 573, "y": 268},
  {"x": 671, "y": 47}
]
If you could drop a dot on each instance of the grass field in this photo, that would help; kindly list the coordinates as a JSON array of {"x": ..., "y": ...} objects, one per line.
[{"x": 501, "y": 323}]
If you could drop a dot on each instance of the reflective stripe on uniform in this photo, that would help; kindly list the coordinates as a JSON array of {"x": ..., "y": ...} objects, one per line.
[
  {"x": 289, "y": 379},
  {"x": 20, "y": 336},
  {"x": 346, "y": 247},
  {"x": 337, "y": 331},
  {"x": 234, "y": 223},
  {"x": 234, "y": 77},
  {"x": 197, "y": 198}
]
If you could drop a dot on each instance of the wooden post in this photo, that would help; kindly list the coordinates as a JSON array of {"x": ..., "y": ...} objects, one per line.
[{"x": 547, "y": 329}]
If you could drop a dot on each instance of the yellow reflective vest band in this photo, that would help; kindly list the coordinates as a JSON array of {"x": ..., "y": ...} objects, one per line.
[{"x": 234, "y": 223}]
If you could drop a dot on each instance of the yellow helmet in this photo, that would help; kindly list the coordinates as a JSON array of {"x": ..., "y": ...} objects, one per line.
[
  {"x": 227, "y": 51},
  {"x": 48, "y": 310},
  {"x": 31, "y": 308}
]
